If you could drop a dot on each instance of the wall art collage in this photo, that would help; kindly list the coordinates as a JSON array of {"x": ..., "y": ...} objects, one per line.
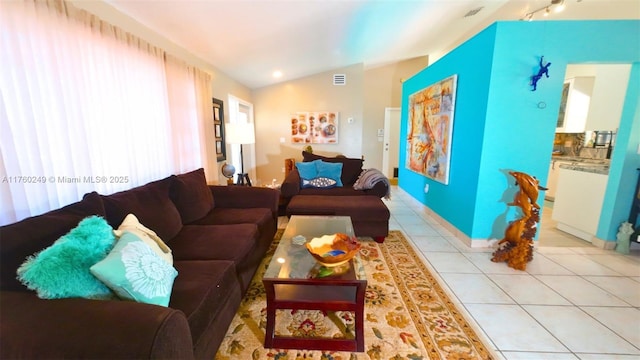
[{"x": 315, "y": 127}]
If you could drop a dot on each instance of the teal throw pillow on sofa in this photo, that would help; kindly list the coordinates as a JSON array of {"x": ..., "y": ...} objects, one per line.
[
  {"x": 135, "y": 272},
  {"x": 308, "y": 170},
  {"x": 62, "y": 269},
  {"x": 330, "y": 170}
]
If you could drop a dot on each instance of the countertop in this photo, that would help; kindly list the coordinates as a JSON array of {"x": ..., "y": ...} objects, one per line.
[
  {"x": 596, "y": 166},
  {"x": 581, "y": 159},
  {"x": 596, "y": 169}
]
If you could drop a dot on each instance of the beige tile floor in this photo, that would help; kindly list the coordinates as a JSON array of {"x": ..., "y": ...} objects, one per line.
[{"x": 574, "y": 301}]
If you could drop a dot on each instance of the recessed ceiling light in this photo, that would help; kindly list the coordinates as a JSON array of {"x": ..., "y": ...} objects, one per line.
[{"x": 277, "y": 74}]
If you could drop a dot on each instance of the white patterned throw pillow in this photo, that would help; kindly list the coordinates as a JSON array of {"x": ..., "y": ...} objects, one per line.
[
  {"x": 132, "y": 224},
  {"x": 135, "y": 272}
]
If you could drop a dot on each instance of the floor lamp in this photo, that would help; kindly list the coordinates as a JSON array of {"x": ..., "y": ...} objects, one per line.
[{"x": 241, "y": 133}]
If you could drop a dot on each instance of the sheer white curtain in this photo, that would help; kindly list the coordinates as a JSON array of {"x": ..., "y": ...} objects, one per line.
[
  {"x": 190, "y": 109},
  {"x": 85, "y": 106}
]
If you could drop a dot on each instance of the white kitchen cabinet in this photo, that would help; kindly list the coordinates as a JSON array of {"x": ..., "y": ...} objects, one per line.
[
  {"x": 578, "y": 202},
  {"x": 574, "y": 104},
  {"x": 552, "y": 179},
  {"x": 607, "y": 97}
]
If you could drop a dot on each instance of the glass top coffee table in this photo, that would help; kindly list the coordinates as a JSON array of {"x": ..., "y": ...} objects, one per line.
[{"x": 295, "y": 280}]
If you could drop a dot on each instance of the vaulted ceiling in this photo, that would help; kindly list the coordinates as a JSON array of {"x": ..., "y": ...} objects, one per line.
[{"x": 250, "y": 39}]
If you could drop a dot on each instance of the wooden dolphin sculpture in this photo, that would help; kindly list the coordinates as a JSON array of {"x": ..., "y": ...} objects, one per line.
[{"x": 528, "y": 185}]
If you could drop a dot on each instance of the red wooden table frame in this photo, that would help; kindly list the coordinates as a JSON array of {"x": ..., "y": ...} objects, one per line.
[{"x": 344, "y": 293}]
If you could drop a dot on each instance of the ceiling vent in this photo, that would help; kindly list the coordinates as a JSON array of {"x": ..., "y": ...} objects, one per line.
[
  {"x": 473, "y": 12},
  {"x": 339, "y": 79}
]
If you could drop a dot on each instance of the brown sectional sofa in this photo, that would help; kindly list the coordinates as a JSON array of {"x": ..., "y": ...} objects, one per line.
[
  {"x": 218, "y": 236},
  {"x": 369, "y": 215}
]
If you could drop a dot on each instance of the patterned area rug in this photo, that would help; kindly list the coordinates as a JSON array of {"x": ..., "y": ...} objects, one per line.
[{"x": 407, "y": 315}]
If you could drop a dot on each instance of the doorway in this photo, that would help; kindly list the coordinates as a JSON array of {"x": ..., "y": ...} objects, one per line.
[
  {"x": 602, "y": 90},
  {"x": 390, "y": 150},
  {"x": 242, "y": 111}
]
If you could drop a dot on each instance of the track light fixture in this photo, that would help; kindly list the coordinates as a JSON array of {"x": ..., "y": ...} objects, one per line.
[{"x": 556, "y": 5}]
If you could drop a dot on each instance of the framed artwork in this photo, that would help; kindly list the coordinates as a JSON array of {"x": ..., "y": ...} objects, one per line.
[
  {"x": 430, "y": 129},
  {"x": 319, "y": 127},
  {"x": 218, "y": 126}
]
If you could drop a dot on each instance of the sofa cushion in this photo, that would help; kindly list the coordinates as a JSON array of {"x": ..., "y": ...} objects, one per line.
[
  {"x": 206, "y": 291},
  {"x": 134, "y": 271},
  {"x": 359, "y": 208},
  {"x": 259, "y": 216},
  {"x": 191, "y": 195},
  {"x": 351, "y": 168},
  {"x": 308, "y": 170},
  {"x": 62, "y": 269},
  {"x": 226, "y": 216},
  {"x": 24, "y": 238},
  {"x": 336, "y": 191},
  {"x": 150, "y": 203},
  {"x": 215, "y": 242},
  {"x": 369, "y": 214}
]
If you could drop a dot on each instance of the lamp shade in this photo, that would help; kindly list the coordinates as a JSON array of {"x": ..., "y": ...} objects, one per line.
[{"x": 240, "y": 133}]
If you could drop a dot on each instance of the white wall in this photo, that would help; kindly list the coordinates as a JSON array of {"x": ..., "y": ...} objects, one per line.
[{"x": 273, "y": 108}]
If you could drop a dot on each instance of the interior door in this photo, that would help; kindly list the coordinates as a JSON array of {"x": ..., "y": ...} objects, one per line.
[{"x": 391, "y": 148}]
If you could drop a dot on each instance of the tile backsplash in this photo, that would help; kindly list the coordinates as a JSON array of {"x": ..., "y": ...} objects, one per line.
[
  {"x": 594, "y": 153},
  {"x": 572, "y": 144}
]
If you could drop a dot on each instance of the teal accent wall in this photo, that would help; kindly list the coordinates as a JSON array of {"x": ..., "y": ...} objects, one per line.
[
  {"x": 623, "y": 171},
  {"x": 500, "y": 125},
  {"x": 472, "y": 63}
]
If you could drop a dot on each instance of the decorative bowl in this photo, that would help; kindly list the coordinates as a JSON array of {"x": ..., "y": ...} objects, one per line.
[{"x": 333, "y": 250}]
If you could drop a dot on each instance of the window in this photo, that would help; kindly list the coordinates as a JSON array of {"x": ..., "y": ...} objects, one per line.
[{"x": 85, "y": 106}]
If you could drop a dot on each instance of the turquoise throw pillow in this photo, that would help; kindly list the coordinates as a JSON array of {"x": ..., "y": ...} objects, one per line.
[
  {"x": 62, "y": 269},
  {"x": 330, "y": 170},
  {"x": 307, "y": 170},
  {"x": 135, "y": 272}
]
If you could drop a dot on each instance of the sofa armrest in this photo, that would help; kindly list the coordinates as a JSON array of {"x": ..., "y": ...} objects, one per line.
[
  {"x": 291, "y": 184},
  {"x": 245, "y": 197},
  {"x": 79, "y": 328},
  {"x": 380, "y": 189}
]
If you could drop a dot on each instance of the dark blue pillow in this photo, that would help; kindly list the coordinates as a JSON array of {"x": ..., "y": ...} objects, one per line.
[{"x": 330, "y": 170}]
